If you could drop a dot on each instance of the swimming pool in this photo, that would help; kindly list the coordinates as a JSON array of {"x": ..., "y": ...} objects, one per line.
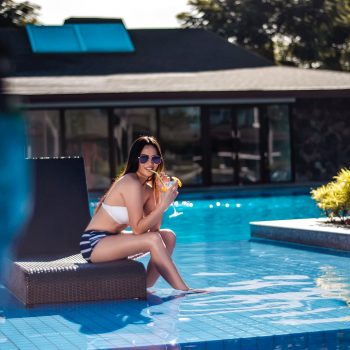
[
  {"x": 227, "y": 219},
  {"x": 263, "y": 296}
]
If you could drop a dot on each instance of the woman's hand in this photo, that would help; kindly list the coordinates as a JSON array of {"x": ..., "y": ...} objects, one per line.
[
  {"x": 166, "y": 198},
  {"x": 162, "y": 181}
]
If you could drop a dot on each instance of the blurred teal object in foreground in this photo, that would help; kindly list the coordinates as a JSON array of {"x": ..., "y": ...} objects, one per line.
[{"x": 14, "y": 178}]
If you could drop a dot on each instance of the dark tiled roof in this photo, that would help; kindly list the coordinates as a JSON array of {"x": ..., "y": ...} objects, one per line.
[
  {"x": 157, "y": 50},
  {"x": 168, "y": 64},
  {"x": 273, "y": 79}
]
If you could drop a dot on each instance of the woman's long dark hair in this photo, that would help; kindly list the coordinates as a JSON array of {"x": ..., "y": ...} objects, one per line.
[{"x": 132, "y": 163}]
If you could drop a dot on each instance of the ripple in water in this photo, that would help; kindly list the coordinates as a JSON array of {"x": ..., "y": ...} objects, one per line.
[{"x": 284, "y": 300}]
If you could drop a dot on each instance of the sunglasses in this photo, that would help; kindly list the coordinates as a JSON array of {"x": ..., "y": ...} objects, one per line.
[{"x": 154, "y": 159}]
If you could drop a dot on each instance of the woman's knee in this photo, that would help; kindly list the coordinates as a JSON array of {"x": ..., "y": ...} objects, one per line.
[
  {"x": 168, "y": 236},
  {"x": 154, "y": 240}
]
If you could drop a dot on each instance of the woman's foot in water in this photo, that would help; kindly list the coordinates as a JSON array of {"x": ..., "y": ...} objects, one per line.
[{"x": 195, "y": 291}]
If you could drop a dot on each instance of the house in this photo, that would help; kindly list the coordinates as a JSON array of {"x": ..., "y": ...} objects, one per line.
[{"x": 224, "y": 115}]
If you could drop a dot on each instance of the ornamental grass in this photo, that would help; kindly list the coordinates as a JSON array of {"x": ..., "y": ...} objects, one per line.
[{"x": 334, "y": 197}]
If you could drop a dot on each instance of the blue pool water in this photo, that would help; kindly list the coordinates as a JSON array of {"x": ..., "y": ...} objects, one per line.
[
  {"x": 262, "y": 295},
  {"x": 228, "y": 219}
]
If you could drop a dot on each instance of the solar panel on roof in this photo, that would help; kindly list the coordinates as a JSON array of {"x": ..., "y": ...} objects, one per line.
[
  {"x": 55, "y": 39},
  {"x": 109, "y": 37},
  {"x": 79, "y": 38}
]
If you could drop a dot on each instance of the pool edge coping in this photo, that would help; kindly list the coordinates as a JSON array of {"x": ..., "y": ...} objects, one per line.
[{"x": 316, "y": 232}]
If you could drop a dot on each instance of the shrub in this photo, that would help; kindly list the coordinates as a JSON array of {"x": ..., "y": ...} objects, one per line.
[{"x": 334, "y": 197}]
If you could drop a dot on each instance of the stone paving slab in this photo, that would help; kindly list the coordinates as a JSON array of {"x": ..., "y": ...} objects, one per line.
[{"x": 314, "y": 232}]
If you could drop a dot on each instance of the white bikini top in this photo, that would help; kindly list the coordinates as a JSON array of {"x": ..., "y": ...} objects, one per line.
[{"x": 119, "y": 214}]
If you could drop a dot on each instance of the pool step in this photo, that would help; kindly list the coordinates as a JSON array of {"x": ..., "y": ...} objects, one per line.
[{"x": 313, "y": 232}]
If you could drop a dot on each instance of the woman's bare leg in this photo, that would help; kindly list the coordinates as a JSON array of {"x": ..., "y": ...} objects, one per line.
[
  {"x": 123, "y": 245},
  {"x": 169, "y": 239}
]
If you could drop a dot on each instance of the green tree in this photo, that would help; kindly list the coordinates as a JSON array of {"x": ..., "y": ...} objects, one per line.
[
  {"x": 13, "y": 14},
  {"x": 305, "y": 33}
]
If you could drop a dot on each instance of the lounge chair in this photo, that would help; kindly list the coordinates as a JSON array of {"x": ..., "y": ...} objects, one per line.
[{"x": 47, "y": 266}]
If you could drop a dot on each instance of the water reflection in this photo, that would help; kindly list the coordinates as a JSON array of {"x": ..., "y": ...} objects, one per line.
[
  {"x": 336, "y": 284},
  {"x": 281, "y": 299}
]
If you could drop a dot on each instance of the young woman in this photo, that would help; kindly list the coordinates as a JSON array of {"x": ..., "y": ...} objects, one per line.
[{"x": 135, "y": 200}]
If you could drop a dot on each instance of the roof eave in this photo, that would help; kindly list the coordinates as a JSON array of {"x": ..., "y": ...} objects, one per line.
[{"x": 184, "y": 97}]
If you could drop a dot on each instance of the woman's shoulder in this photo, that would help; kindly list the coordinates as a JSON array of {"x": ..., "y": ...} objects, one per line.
[
  {"x": 129, "y": 179},
  {"x": 125, "y": 184}
]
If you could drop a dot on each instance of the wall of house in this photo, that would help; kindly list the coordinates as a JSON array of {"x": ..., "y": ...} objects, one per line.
[{"x": 321, "y": 135}]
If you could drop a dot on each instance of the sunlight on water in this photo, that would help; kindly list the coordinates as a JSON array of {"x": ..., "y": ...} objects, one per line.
[
  {"x": 282, "y": 299},
  {"x": 334, "y": 284},
  {"x": 214, "y": 274},
  {"x": 208, "y": 217},
  {"x": 282, "y": 307}
]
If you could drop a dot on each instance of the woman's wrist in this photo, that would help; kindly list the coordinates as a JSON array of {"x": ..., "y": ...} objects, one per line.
[{"x": 162, "y": 207}]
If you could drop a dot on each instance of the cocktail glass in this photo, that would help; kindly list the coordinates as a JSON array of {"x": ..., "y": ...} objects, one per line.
[
  {"x": 166, "y": 185},
  {"x": 175, "y": 212}
]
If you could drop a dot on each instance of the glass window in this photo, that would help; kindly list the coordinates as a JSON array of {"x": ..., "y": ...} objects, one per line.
[
  {"x": 248, "y": 127},
  {"x": 42, "y": 133},
  {"x": 87, "y": 136},
  {"x": 128, "y": 124},
  {"x": 222, "y": 150},
  {"x": 279, "y": 154},
  {"x": 180, "y": 136}
]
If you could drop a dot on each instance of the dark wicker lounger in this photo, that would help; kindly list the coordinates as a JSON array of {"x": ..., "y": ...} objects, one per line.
[{"x": 48, "y": 267}]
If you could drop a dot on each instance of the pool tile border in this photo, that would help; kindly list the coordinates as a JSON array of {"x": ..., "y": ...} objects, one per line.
[{"x": 336, "y": 339}]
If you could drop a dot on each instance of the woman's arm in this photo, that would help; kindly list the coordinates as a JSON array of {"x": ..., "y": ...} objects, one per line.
[
  {"x": 133, "y": 194},
  {"x": 150, "y": 205}
]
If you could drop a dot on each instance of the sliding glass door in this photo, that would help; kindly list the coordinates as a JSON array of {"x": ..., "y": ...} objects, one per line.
[{"x": 235, "y": 145}]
